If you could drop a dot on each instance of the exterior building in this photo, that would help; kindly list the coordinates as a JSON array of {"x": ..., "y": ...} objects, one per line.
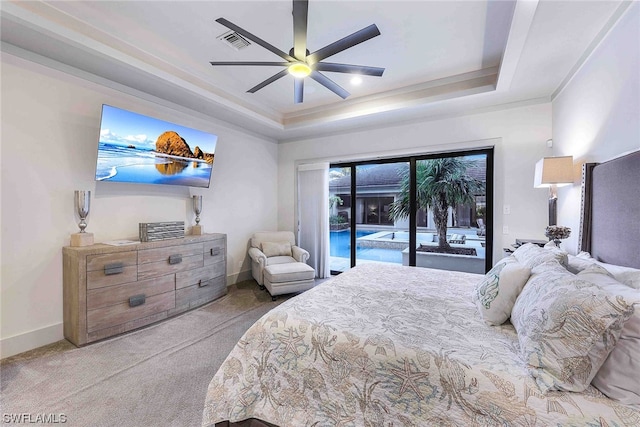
[{"x": 378, "y": 186}]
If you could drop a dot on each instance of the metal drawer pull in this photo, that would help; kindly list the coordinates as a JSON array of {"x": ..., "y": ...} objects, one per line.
[
  {"x": 175, "y": 259},
  {"x": 137, "y": 300},
  {"x": 215, "y": 251},
  {"x": 115, "y": 268},
  {"x": 202, "y": 284}
]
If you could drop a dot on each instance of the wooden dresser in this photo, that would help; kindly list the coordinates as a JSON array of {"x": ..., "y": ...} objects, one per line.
[{"x": 109, "y": 290}]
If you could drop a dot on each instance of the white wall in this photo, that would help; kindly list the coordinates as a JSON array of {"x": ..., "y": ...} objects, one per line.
[
  {"x": 519, "y": 136},
  {"x": 50, "y": 127},
  {"x": 596, "y": 117}
]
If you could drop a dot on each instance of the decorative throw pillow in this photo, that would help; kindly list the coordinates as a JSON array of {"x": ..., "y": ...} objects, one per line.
[
  {"x": 496, "y": 293},
  {"x": 598, "y": 275},
  {"x": 619, "y": 376},
  {"x": 575, "y": 264},
  {"x": 629, "y": 278},
  {"x": 626, "y": 275},
  {"x": 560, "y": 254},
  {"x": 276, "y": 249},
  {"x": 584, "y": 255},
  {"x": 566, "y": 327},
  {"x": 532, "y": 255}
]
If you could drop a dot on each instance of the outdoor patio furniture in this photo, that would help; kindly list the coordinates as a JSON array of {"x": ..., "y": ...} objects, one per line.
[
  {"x": 458, "y": 238},
  {"x": 482, "y": 230}
]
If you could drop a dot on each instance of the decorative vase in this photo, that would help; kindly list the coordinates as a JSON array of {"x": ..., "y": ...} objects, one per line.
[
  {"x": 556, "y": 233},
  {"x": 82, "y": 205},
  {"x": 197, "y": 209}
]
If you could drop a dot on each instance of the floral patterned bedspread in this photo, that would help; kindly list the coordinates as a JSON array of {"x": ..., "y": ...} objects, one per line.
[{"x": 386, "y": 345}]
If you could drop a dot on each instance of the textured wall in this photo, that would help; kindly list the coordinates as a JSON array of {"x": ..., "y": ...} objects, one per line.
[
  {"x": 50, "y": 126},
  {"x": 596, "y": 116},
  {"x": 519, "y": 136}
]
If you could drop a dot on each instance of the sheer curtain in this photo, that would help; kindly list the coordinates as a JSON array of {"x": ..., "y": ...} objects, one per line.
[{"x": 313, "y": 215}]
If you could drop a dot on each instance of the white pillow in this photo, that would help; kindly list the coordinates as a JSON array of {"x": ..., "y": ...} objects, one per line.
[
  {"x": 496, "y": 293},
  {"x": 533, "y": 255},
  {"x": 566, "y": 327},
  {"x": 576, "y": 264},
  {"x": 560, "y": 254},
  {"x": 626, "y": 275},
  {"x": 276, "y": 249},
  {"x": 584, "y": 255},
  {"x": 619, "y": 376}
]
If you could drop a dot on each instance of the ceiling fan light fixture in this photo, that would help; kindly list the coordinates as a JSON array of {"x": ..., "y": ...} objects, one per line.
[
  {"x": 299, "y": 62},
  {"x": 299, "y": 70}
]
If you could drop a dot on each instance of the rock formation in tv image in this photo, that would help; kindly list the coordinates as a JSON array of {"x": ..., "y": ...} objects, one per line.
[{"x": 171, "y": 143}]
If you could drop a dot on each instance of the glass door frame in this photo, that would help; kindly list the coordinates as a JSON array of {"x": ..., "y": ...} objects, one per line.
[{"x": 412, "y": 160}]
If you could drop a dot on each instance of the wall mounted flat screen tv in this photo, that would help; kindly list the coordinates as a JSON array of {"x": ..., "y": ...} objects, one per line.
[{"x": 141, "y": 149}]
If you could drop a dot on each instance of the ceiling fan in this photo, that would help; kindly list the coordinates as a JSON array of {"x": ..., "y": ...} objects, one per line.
[{"x": 300, "y": 63}]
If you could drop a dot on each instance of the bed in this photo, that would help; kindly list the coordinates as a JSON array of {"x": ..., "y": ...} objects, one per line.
[{"x": 388, "y": 345}]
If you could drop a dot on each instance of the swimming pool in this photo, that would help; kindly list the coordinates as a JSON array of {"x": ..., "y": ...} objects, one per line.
[
  {"x": 340, "y": 242},
  {"x": 340, "y": 247},
  {"x": 390, "y": 246}
]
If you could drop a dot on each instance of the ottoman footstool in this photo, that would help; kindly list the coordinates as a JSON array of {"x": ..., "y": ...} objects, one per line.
[{"x": 288, "y": 278}]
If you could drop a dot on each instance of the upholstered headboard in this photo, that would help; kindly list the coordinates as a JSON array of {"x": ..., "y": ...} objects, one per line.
[{"x": 610, "y": 223}]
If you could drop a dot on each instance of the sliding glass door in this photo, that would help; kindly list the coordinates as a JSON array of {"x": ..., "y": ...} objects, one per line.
[
  {"x": 379, "y": 238},
  {"x": 428, "y": 211},
  {"x": 340, "y": 216}
]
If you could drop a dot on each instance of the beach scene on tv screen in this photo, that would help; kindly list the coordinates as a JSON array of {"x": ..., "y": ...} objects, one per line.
[{"x": 137, "y": 148}]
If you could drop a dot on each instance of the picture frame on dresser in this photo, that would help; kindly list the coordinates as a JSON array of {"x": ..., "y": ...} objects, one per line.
[{"x": 109, "y": 290}]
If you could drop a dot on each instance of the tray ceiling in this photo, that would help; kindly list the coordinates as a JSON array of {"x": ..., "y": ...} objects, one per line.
[{"x": 441, "y": 57}]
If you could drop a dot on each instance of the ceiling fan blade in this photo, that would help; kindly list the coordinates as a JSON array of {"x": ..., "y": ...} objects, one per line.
[
  {"x": 298, "y": 90},
  {"x": 268, "y": 81},
  {"x": 347, "y": 68},
  {"x": 329, "y": 84},
  {"x": 255, "y": 39},
  {"x": 274, "y": 64},
  {"x": 344, "y": 43},
  {"x": 300, "y": 12}
]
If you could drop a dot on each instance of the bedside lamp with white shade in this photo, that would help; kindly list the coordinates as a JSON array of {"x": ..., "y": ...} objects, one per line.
[{"x": 553, "y": 172}]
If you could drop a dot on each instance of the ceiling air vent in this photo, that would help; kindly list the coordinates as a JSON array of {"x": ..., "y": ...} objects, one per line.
[{"x": 234, "y": 40}]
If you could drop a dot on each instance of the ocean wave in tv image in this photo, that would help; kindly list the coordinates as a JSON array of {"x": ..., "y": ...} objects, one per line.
[{"x": 130, "y": 164}]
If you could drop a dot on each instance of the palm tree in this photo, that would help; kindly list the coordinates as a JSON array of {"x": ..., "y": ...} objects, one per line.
[{"x": 441, "y": 184}]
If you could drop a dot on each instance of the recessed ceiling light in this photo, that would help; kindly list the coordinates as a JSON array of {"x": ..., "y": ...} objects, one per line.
[{"x": 356, "y": 80}]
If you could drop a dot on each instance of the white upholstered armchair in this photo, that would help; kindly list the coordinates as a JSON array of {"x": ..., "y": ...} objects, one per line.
[{"x": 271, "y": 248}]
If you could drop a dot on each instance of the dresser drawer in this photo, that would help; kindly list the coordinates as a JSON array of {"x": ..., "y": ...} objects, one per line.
[
  {"x": 195, "y": 295},
  {"x": 214, "y": 251},
  {"x": 165, "y": 254},
  {"x": 100, "y": 262},
  {"x": 161, "y": 261},
  {"x": 111, "y": 269},
  {"x": 199, "y": 275},
  {"x": 105, "y": 317},
  {"x": 113, "y": 295},
  {"x": 161, "y": 268}
]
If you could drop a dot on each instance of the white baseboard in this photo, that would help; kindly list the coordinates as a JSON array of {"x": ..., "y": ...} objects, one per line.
[
  {"x": 239, "y": 277},
  {"x": 29, "y": 340}
]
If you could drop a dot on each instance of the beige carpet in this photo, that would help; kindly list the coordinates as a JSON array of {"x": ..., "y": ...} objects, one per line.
[{"x": 156, "y": 376}]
